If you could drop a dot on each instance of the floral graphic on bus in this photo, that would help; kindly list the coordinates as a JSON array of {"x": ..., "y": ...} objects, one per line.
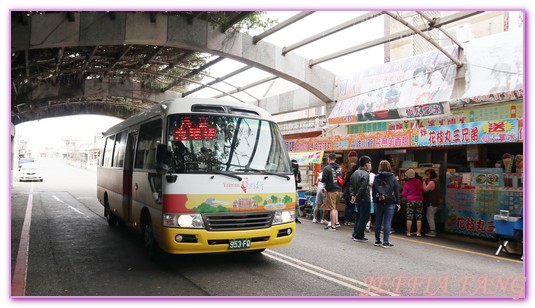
[
  {"x": 276, "y": 202},
  {"x": 244, "y": 185},
  {"x": 214, "y": 203}
]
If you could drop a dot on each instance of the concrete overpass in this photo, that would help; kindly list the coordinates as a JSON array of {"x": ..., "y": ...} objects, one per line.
[{"x": 66, "y": 63}]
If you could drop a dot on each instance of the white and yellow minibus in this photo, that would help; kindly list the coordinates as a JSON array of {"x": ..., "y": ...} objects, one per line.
[{"x": 199, "y": 176}]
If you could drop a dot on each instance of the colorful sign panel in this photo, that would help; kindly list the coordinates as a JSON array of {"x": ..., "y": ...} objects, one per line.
[
  {"x": 312, "y": 157},
  {"x": 384, "y": 92},
  {"x": 376, "y": 140},
  {"x": 458, "y": 116},
  {"x": 469, "y": 133},
  {"x": 470, "y": 210}
]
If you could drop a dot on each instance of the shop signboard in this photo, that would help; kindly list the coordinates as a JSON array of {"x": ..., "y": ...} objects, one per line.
[
  {"x": 470, "y": 206},
  {"x": 375, "y": 140},
  {"x": 305, "y": 158},
  {"x": 500, "y": 131}
]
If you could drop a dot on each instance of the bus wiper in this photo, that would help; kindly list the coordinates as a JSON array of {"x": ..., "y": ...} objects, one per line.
[
  {"x": 226, "y": 173},
  {"x": 265, "y": 171}
]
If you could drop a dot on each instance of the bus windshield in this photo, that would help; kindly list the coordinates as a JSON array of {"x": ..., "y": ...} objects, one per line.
[{"x": 203, "y": 143}]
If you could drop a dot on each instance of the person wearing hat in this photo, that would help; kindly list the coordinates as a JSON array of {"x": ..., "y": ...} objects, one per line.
[{"x": 413, "y": 194}]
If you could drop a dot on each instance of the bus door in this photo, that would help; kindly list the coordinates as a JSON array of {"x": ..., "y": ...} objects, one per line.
[{"x": 127, "y": 175}]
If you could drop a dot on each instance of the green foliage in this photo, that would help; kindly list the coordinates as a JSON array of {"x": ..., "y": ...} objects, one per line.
[
  {"x": 206, "y": 208},
  {"x": 258, "y": 199},
  {"x": 287, "y": 199},
  {"x": 252, "y": 21}
]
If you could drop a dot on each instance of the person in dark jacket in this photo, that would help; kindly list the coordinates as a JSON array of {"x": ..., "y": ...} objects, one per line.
[
  {"x": 384, "y": 210},
  {"x": 350, "y": 207},
  {"x": 361, "y": 196},
  {"x": 334, "y": 190}
]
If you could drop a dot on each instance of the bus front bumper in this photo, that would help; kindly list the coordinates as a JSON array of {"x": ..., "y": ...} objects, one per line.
[{"x": 194, "y": 241}]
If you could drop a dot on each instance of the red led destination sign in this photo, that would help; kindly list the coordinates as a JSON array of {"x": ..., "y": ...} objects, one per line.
[{"x": 188, "y": 131}]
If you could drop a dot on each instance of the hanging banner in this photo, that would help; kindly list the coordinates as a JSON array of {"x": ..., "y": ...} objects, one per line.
[
  {"x": 495, "y": 63},
  {"x": 381, "y": 92},
  {"x": 470, "y": 133},
  {"x": 489, "y": 98},
  {"x": 305, "y": 158}
]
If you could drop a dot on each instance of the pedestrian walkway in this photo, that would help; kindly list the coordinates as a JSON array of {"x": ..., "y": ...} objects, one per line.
[{"x": 445, "y": 240}]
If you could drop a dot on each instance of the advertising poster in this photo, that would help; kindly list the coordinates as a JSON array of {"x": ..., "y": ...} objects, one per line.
[
  {"x": 391, "y": 90},
  {"x": 494, "y": 63}
]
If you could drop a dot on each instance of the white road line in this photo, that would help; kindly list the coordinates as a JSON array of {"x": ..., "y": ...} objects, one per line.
[
  {"x": 61, "y": 201},
  {"x": 365, "y": 291}
]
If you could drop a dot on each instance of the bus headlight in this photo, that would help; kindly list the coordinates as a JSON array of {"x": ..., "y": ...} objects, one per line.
[
  {"x": 183, "y": 221},
  {"x": 283, "y": 216}
]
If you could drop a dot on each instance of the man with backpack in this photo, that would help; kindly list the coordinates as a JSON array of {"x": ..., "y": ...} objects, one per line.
[
  {"x": 385, "y": 191},
  {"x": 330, "y": 177},
  {"x": 360, "y": 195}
]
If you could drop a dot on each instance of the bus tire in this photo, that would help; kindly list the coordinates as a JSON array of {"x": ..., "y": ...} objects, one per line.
[
  {"x": 151, "y": 247},
  {"x": 110, "y": 217}
]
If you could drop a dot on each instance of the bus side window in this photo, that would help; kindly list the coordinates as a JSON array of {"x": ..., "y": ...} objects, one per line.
[
  {"x": 108, "y": 151},
  {"x": 120, "y": 147},
  {"x": 150, "y": 135}
]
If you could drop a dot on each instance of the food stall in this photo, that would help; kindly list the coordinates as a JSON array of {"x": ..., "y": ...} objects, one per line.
[{"x": 474, "y": 198}]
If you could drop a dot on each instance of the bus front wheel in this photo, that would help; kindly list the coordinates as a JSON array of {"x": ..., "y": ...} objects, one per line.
[{"x": 148, "y": 240}]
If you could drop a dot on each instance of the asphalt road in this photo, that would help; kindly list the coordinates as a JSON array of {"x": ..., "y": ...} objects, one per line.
[{"x": 73, "y": 252}]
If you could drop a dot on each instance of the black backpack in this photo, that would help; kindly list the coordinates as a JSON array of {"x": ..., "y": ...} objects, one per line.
[{"x": 384, "y": 192}]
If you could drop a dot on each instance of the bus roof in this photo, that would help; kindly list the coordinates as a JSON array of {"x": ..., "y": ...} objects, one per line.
[{"x": 185, "y": 105}]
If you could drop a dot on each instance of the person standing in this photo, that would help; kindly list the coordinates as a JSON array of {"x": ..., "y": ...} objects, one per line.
[
  {"x": 297, "y": 178},
  {"x": 361, "y": 196},
  {"x": 329, "y": 177},
  {"x": 320, "y": 200},
  {"x": 372, "y": 206},
  {"x": 431, "y": 191},
  {"x": 386, "y": 199},
  {"x": 350, "y": 207},
  {"x": 413, "y": 194}
]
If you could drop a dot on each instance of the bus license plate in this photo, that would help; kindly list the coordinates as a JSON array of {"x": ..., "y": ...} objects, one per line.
[{"x": 239, "y": 243}]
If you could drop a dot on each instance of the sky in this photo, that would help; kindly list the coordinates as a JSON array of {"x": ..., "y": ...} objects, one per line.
[{"x": 230, "y": 4}]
